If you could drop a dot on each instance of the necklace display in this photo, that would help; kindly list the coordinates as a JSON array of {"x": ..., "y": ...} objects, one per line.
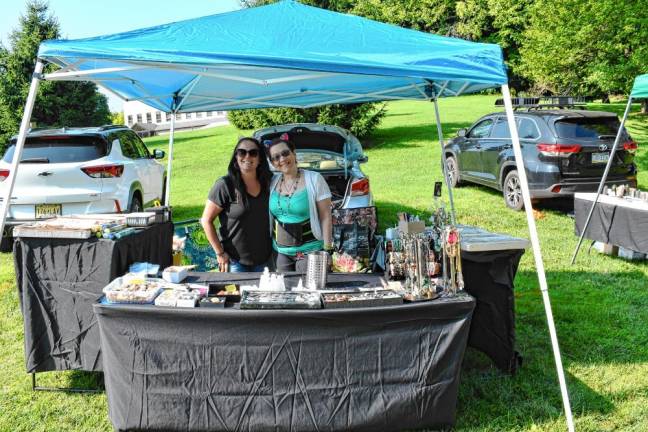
[{"x": 291, "y": 192}]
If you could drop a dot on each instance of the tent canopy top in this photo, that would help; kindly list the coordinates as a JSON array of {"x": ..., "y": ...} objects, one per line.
[
  {"x": 284, "y": 54},
  {"x": 640, "y": 87}
]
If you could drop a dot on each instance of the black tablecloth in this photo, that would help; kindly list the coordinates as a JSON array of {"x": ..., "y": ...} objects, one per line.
[
  {"x": 618, "y": 225},
  {"x": 58, "y": 282},
  {"x": 366, "y": 369},
  {"x": 489, "y": 277}
]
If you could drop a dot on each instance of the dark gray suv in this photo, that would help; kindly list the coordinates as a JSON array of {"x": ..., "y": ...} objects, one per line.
[{"x": 564, "y": 151}]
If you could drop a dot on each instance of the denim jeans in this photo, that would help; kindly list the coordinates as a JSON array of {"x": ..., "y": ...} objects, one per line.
[{"x": 237, "y": 267}]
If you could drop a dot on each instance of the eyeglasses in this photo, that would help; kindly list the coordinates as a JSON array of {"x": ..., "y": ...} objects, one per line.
[
  {"x": 283, "y": 153},
  {"x": 241, "y": 152}
]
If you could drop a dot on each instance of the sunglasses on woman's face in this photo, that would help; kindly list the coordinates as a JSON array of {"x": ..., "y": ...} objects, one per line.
[
  {"x": 284, "y": 153},
  {"x": 241, "y": 152}
]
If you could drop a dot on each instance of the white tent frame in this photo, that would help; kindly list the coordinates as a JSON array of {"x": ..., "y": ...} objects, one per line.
[{"x": 180, "y": 97}]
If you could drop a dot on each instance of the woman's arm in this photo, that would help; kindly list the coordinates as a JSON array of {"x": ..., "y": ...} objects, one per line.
[
  {"x": 210, "y": 213},
  {"x": 326, "y": 221}
]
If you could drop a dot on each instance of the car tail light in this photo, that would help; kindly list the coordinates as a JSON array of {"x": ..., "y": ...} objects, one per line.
[
  {"x": 360, "y": 187},
  {"x": 560, "y": 150},
  {"x": 630, "y": 146},
  {"x": 556, "y": 189},
  {"x": 4, "y": 173},
  {"x": 104, "y": 171}
]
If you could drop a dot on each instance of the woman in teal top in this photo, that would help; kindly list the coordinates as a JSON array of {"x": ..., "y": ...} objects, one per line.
[{"x": 300, "y": 208}]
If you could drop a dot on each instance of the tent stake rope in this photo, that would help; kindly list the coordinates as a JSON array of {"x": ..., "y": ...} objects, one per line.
[
  {"x": 537, "y": 254},
  {"x": 603, "y": 179}
]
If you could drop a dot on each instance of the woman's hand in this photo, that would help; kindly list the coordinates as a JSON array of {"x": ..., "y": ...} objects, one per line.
[{"x": 223, "y": 262}]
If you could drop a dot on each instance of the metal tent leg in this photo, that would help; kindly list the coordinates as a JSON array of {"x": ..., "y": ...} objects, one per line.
[
  {"x": 443, "y": 159},
  {"x": 20, "y": 143},
  {"x": 603, "y": 179},
  {"x": 537, "y": 255},
  {"x": 167, "y": 195}
]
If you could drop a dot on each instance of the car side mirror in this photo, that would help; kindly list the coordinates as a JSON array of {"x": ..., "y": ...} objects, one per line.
[
  {"x": 158, "y": 154},
  {"x": 461, "y": 133}
]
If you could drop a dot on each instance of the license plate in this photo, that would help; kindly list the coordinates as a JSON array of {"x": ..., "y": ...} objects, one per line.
[
  {"x": 600, "y": 157},
  {"x": 48, "y": 210}
]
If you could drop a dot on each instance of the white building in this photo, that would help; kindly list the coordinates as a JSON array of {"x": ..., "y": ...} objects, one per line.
[{"x": 150, "y": 121}]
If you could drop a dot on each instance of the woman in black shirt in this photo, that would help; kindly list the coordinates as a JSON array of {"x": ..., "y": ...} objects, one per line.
[{"x": 240, "y": 201}]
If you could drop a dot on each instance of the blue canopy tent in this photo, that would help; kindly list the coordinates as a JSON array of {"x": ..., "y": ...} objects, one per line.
[
  {"x": 285, "y": 55},
  {"x": 639, "y": 91}
]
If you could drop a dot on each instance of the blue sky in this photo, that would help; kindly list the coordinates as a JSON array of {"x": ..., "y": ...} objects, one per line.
[{"x": 85, "y": 18}]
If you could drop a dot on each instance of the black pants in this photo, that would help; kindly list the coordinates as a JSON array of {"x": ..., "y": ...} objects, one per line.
[{"x": 286, "y": 263}]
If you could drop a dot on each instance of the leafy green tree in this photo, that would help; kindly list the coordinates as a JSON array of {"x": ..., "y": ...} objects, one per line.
[
  {"x": 584, "y": 47},
  {"x": 117, "y": 118},
  {"x": 58, "y": 103}
]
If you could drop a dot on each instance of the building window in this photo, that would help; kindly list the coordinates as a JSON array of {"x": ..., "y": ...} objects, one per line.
[
  {"x": 221, "y": 113},
  {"x": 199, "y": 115},
  {"x": 210, "y": 113},
  {"x": 177, "y": 116},
  {"x": 168, "y": 117},
  {"x": 139, "y": 118},
  {"x": 130, "y": 120},
  {"x": 148, "y": 118},
  {"x": 158, "y": 117},
  {"x": 188, "y": 116}
]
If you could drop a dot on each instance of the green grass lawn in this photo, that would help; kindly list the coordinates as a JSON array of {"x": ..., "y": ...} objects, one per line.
[{"x": 600, "y": 304}]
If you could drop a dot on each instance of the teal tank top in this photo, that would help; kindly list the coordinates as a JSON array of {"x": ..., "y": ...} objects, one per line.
[{"x": 294, "y": 209}]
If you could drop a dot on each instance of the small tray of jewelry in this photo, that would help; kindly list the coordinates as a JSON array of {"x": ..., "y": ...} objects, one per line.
[
  {"x": 375, "y": 298},
  {"x": 280, "y": 300},
  {"x": 228, "y": 292},
  {"x": 133, "y": 289}
]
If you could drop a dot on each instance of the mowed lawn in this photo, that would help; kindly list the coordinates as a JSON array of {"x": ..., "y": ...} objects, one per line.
[{"x": 600, "y": 304}]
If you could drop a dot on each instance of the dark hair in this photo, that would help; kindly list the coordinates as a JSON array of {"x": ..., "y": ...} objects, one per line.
[
  {"x": 282, "y": 139},
  {"x": 264, "y": 175}
]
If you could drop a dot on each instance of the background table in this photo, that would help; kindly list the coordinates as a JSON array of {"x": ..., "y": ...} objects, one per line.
[
  {"x": 617, "y": 221},
  {"x": 58, "y": 282},
  {"x": 366, "y": 369}
]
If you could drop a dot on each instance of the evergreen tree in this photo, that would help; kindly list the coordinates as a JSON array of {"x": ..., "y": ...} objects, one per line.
[{"x": 58, "y": 103}]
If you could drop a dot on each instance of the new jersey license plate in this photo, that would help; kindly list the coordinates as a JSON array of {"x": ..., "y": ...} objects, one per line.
[
  {"x": 48, "y": 210},
  {"x": 600, "y": 157}
]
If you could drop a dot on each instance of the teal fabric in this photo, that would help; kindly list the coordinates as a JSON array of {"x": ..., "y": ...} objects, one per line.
[
  {"x": 282, "y": 54},
  {"x": 640, "y": 87},
  {"x": 293, "y": 209}
]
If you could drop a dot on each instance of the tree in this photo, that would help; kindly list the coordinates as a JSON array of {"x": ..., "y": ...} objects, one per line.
[
  {"x": 117, "y": 118},
  {"x": 585, "y": 48},
  {"x": 58, "y": 103}
]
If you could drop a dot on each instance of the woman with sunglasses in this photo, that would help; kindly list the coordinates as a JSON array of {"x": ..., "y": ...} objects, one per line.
[
  {"x": 240, "y": 201},
  {"x": 300, "y": 208}
]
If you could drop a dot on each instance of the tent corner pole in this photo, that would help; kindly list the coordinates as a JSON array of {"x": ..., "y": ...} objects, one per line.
[
  {"x": 443, "y": 161},
  {"x": 603, "y": 179},
  {"x": 167, "y": 187},
  {"x": 20, "y": 142},
  {"x": 537, "y": 254}
]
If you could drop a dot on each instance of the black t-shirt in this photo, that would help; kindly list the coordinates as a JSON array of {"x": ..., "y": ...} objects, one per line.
[{"x": 245, "y": 234}]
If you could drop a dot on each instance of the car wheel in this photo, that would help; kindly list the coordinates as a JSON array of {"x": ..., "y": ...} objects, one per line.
[
  {"x": 512, "y": 190},
  {"x": 453, "y": 171},
  {"x": 136, "y": 205}
]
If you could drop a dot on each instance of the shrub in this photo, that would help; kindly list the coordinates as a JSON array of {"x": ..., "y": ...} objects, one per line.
[{"x": 359, "y": 119}]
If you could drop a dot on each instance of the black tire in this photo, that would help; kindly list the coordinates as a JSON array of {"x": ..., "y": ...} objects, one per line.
[
  {"x": 136, "y": 204},
  {"x": 512, "y": 191},
  {"x": 453, "y": 171}
]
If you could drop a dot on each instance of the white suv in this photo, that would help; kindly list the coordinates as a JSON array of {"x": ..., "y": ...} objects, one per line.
[{"x": 81, "y": 170}]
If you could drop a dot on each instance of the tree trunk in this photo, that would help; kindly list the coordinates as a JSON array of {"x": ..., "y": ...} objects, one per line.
[{"x": 644, "y": 106}]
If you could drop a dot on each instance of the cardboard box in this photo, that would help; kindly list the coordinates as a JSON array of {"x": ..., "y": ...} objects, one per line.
[
  {"x": 606, "y": 248},
  {"x": 411, "y": 227}
]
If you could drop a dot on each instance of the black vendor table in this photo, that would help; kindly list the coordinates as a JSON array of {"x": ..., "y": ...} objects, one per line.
[
  {"x": 489, "y": 276},
  {"x": 617, "y": 221},
  {"x": 58, "y": 282},
  {"x": 364, "y": 369}
]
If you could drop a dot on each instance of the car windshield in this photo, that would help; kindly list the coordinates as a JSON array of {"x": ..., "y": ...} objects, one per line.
[
  {"x": 319, "y": 161},
  {"x": 587, "y": 128},
  {"x": 59, "y": 150}
]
